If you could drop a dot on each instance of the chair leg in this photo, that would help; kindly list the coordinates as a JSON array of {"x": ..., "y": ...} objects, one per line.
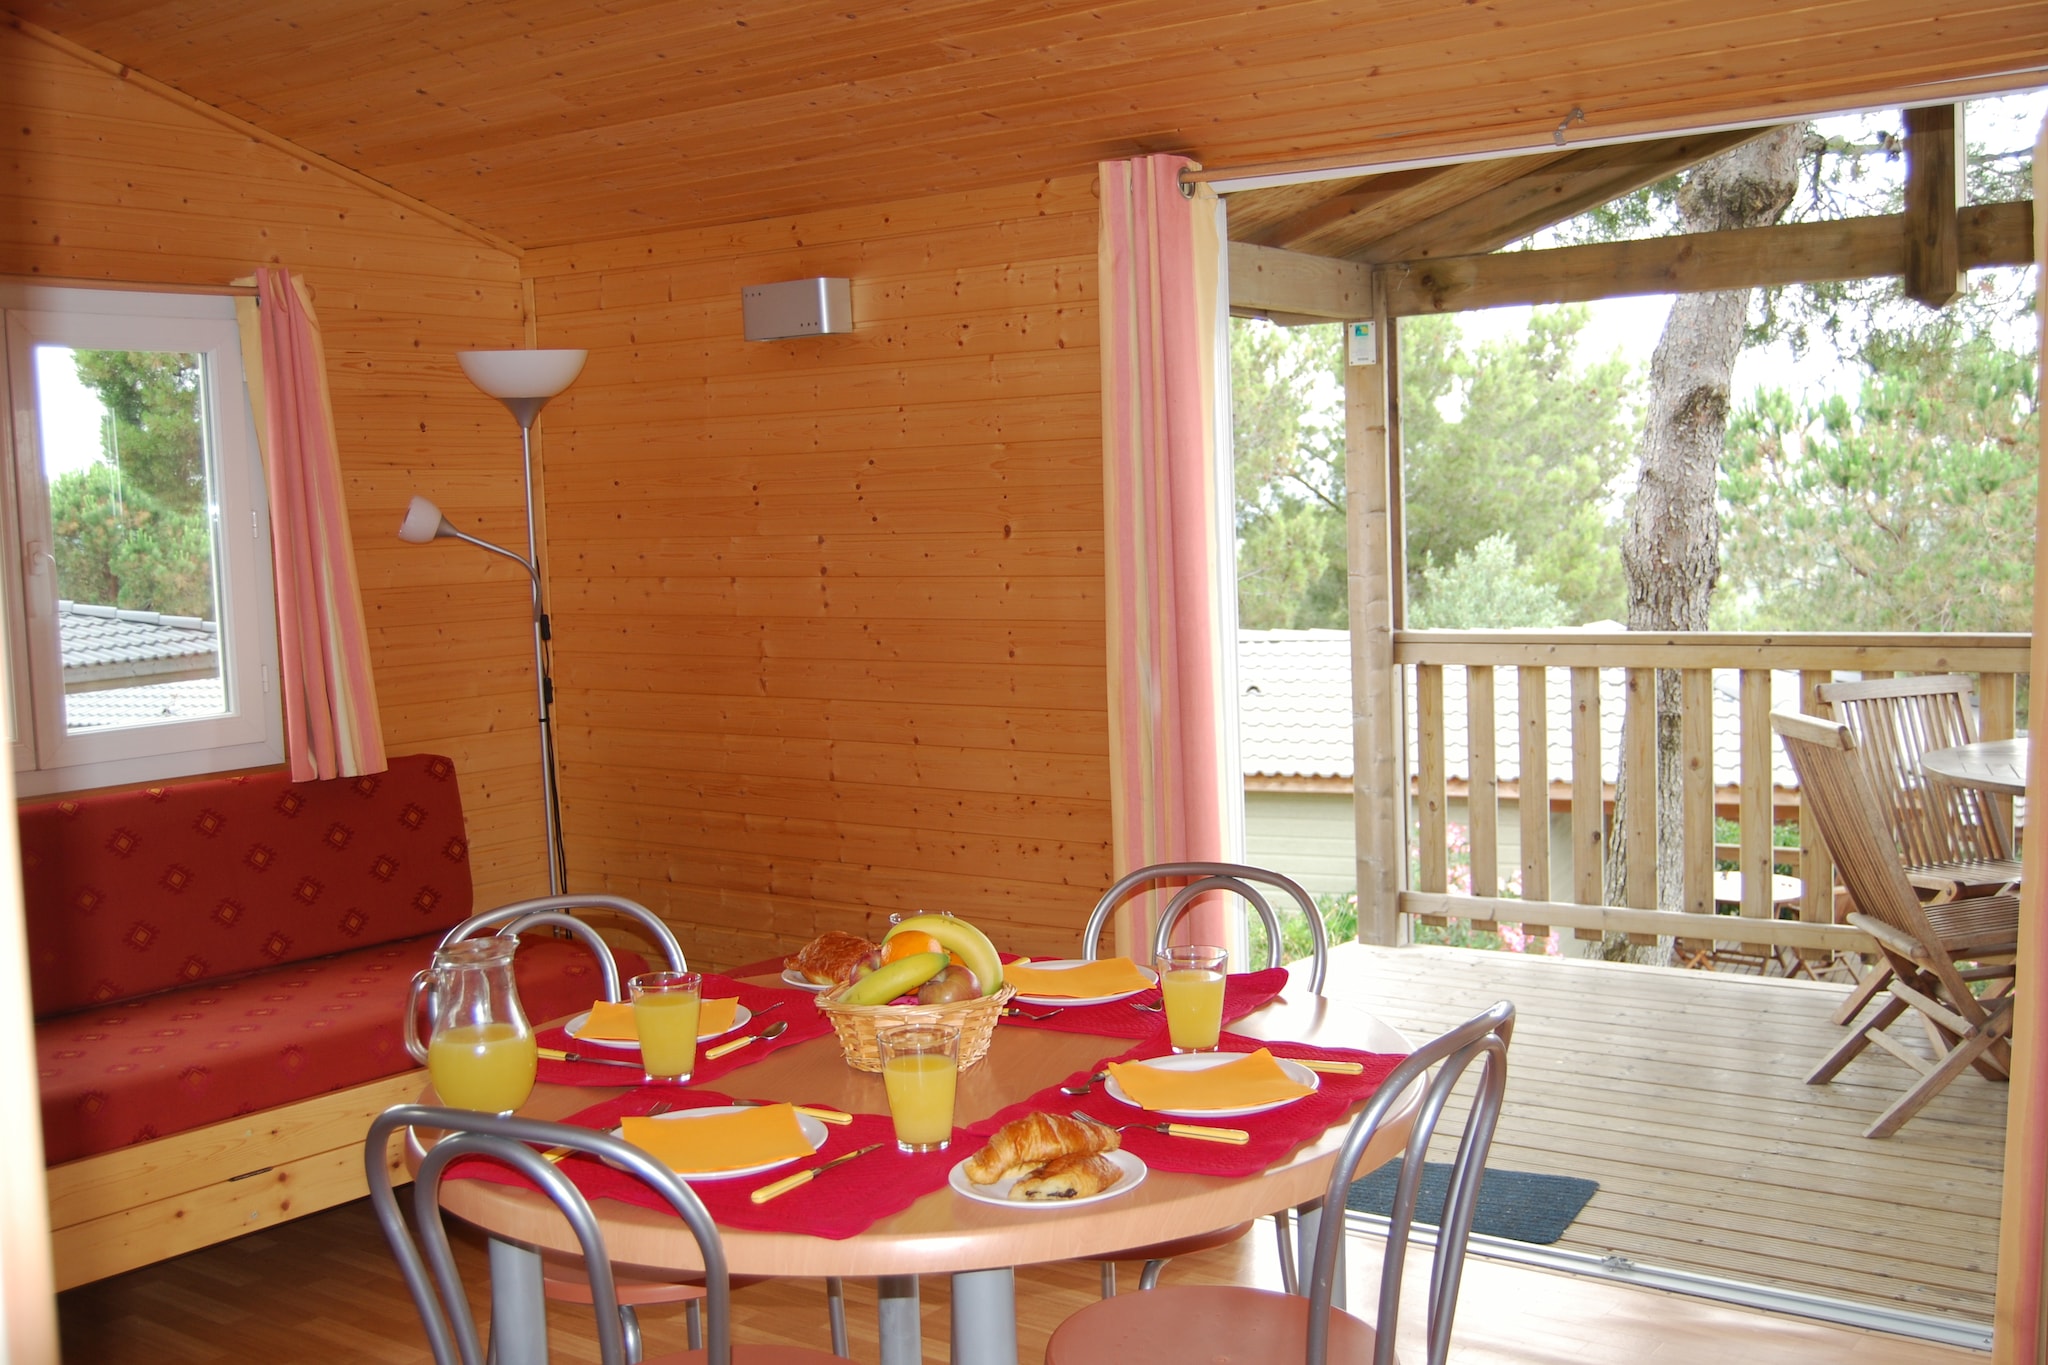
[
  {"x": 1874, "y": 980},
  {"x": 1857, "y": 1041},
  {"x": 1109, "y": 1279},
  {"x": 694, "y": 1324},
  {"x": 1150, "y": 1277},
  {"x": 835, "y": 1311},
  {"x": 1931, "y": 1084}
]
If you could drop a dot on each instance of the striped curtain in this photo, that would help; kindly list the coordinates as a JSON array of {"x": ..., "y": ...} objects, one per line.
[
  {"x": 1171, "y": 614},
  {"x": 330, "y": 700},
  {"x": 2020, "y": 1332}
]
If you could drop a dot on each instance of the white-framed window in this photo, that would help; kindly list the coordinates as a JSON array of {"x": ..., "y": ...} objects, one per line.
[{"x": 142, "y": 627}]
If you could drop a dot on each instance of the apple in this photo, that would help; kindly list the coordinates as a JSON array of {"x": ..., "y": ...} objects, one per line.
[{"x": 953, "y": 983}]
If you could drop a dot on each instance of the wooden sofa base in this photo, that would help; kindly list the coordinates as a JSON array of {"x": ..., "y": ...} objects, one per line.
[{"x": 140, "y": 1204}]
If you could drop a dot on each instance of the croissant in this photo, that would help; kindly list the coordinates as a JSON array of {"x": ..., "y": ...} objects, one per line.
[
  {"x": 829, "y": 959},
  {"x": 1022, "y": 1145},
  {"x": 1074, "y": 1176}
]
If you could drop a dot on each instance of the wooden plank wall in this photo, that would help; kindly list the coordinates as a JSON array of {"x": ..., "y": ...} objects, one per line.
[
  {"x": 105, "y": 180},
  {"x": 829, "y": 611}
]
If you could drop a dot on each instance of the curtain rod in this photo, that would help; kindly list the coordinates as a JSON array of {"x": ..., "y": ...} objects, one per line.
[{"x": 136, "y": 286}]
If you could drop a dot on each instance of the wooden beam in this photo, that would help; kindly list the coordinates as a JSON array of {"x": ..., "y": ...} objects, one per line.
[
  {"x": 1268, "y": 282},
  {"x": 1359, "y": 212},
  {"x": 1550, "y": 193},
  {"x": 1795, "y": 253},
  {"x": 1934, "y": 189}
]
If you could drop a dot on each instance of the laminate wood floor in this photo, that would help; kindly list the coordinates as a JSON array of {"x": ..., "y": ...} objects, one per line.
[
  {"x": 1683, "y": 1094},
  {"x": 323, "y": 1291}
]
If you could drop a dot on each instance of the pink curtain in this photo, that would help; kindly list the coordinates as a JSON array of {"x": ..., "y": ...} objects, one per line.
[
  {"x": 330, "y": 699},
  {"x": 1159, "y": 256},
  {"x": 2019, "y": 1332}
]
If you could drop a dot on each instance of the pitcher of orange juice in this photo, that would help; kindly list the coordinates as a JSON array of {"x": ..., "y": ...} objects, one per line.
[{"x": 481, "y": 1053}]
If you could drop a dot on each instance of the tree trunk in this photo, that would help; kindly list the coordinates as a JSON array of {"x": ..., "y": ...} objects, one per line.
[{"x": 1671, "y": 554}]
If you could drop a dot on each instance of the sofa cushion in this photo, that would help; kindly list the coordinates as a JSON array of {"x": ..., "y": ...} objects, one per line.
[
  {"x": 139, "y": 891},
  {"x": 126, "y": 1073}
]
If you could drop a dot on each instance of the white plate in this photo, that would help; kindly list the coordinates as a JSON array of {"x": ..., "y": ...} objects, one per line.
[
  {"x": 740, "y": 1015},
  {"x": 814, "y": 1133},
  {"x": 1059, "y": 964},
  {"x": 1202, "y": 1061},
  {"x": 999, "y": 1193},
  {"x": 792, "y": 977}
]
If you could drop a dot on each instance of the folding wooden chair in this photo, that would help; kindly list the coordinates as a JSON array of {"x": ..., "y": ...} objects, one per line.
[
  {"x": 1954, "y": 839},
  {"x": 1923, "y": 958}
]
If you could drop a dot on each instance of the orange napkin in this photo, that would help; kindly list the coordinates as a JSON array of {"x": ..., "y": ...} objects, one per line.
[
  {"x": 614, "y": 1021},
  {"x": 1239, "y": 1084},
  {"x": 720, "y": 1142},
  {"x": 1111, "y": 976}
]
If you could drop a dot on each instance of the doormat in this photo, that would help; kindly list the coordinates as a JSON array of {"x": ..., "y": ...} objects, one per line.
[{"x": 1518, "y": 1205}]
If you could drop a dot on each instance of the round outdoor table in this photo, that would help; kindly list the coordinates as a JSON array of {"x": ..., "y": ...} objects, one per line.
[
  {"x": 942, "y": 1233},
  {"x": 1995, "y": 765}
]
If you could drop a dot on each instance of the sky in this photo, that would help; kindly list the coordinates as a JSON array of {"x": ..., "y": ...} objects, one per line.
[{"x": 71, "y": 413}]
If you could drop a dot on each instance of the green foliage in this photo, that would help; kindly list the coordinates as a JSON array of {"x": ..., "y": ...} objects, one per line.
[
  {"x": 122, "y": 548},
  {"x": 1340, "y": 922},
  {"x": 154, "y": 437},
  {"x": 133, "y": 530},
  {"x": 1455, "y": 933},
  {"x": 1485, "y": 588},
  {"x": 1288, "y": 443},
  {"x": 1517, "y": 438},
  {"x": 1912, "y": 509}
]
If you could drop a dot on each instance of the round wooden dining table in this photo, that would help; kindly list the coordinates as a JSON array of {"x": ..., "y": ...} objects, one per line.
[
  {"x": 977, "y": 1244},
  {"x": 1994, "y": 765}
]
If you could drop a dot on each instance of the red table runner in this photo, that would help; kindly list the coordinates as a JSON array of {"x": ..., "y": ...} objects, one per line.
[
  {"x": 1243, "y": 992},
  {"x": 799, "y": 1008},
  {"x": 838, "y": 1204},
  {"x": 1274, "y": 1133}
]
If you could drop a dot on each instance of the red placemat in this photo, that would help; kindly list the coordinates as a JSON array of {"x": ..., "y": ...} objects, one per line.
[
  {"x": 1274, "y": 1133},
  {"x": 798, "y": 1007},
  {"x": 838, "y": 1204},
  {"x": 1243, "y": 992}
]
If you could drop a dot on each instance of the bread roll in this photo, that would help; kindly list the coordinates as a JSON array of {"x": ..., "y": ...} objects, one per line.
[
  {"x": 830, "y": 958},
  {"x": 1069, "y": 1177},
  {"x": 1022, "y": 1145}
]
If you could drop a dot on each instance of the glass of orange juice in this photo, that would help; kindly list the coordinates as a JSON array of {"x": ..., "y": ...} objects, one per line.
[
  {"x": 665, "y": 1006},
  {"x": 920, "y": 1070},
  {"x": 1191, "y": 984}
]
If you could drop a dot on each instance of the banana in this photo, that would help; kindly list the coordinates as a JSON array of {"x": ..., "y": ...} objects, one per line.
[
  {"x": 970, "y": 943},
  {"x": 892, "y": 979}
]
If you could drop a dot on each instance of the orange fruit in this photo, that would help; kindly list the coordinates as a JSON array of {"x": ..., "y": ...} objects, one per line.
[{"x": 908, "y": 942}]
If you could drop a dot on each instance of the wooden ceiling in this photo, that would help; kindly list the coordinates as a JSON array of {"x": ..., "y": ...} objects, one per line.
[{"x": 545, "y": 123}]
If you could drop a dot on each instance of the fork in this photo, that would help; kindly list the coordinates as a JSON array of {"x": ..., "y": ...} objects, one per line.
[
  {"x": 555, "y": 1154},
  {"x": 1018, "y": 1012},
  {"x": 1154, "y": 1008},
  {"x": 1237, "y": 1137}
]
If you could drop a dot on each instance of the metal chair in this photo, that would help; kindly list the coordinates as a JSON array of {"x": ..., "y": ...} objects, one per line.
[
  {"x": 427, "y": 1263},
  {"x": 563, "y": 1280},
  {"x": 1922, "y": 953},
  {"x": 1190, "y": 882},
  {"x": 1185, "y": 1322}
]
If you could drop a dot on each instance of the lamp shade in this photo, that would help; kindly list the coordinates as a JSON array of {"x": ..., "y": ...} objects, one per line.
[
  {"x": 423, "y": 522},
  {"x": 522, "y": 374}
]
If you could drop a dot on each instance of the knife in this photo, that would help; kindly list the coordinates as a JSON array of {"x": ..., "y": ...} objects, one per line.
[
  {"x": 788, "y": 1183},
  {"x": 556, "y": 1055}
]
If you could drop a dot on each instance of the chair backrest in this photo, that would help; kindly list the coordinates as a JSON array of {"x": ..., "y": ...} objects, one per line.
[
  {"x": 1483, "y": 1039},
  {"x": 553, "y": 911},
  {"x": 428, "y": 1265},
  {"x": 1195, "y": 880},
  {"x": 1836, "y": 787},
  {"x": 1895, "y": 721}
]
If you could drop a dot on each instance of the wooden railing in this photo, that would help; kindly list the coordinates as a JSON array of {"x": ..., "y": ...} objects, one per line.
[{"x": 1997, "y": 661}]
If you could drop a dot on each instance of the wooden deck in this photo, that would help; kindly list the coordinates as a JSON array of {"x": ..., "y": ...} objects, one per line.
[{"x": 1683, "y": 1094}]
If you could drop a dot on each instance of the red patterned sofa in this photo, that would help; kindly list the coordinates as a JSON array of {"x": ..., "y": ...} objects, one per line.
[{"x": 219, "y": 972}]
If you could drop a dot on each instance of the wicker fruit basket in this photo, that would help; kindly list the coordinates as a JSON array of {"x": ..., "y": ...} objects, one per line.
[{"x": 858, "y": 1024}]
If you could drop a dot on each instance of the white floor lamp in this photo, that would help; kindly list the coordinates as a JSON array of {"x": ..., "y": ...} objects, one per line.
[{"x": 523, "y": 381}]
